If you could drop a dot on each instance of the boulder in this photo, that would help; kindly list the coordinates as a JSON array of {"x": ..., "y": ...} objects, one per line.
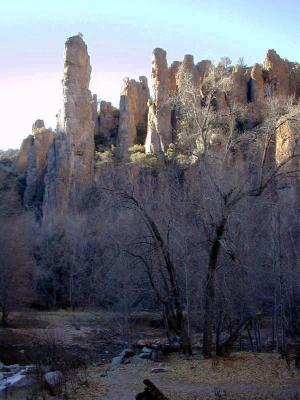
[
  {"x": 123, "y": 357},
  {"x": 117, "y": 361},
  {"x": 127, "y": 353},
  {"x": 157, "y": 370},
  {"x": 145, "y": 356},
  {"x": 156, "y": 355},
  {"x": 146, "y": 350},
  {"x": 53, "y": 381}
]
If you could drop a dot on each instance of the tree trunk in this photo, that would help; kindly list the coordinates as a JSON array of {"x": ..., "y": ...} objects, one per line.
[
  {"x": 226, "y": 348},
  {"x": 250, "y": 339},
  {"x": 219, "y": 331},
  {"x": 175, "y": 290},
  {"x": 4, "y": 319},
  {"x": 210, "y": 291}
]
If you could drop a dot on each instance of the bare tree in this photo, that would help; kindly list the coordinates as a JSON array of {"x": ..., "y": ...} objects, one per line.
[
  {"x": 210, "y": 137},
  {"x": 17, "y": 267}
]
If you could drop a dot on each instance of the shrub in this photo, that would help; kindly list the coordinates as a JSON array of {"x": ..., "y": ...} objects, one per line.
[
  {"x": 171, "y": 152},
  {"x": 104, "y": 156},
  {"x": 143, "y": 160},
  {"x": 137, "y": 148}
]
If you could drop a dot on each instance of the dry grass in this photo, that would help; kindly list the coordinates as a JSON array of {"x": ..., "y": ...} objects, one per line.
[
  {"x": 242, "y": 376},
  {"x": 241, "y": 368}
]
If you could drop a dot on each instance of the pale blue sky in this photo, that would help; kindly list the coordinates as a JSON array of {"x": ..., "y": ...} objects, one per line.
[{"x": 121, "y": 36}]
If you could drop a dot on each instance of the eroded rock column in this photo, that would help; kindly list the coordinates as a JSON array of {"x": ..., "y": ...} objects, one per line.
[
  {"x": 133, "y": 114},
  {"x": 159, "y": 133},
  {"x": 71, "y": 159},
  {"x": 257, "y": 84},
  {"x": 277, "y": 73},
  {"x": 37, "y": 165}
]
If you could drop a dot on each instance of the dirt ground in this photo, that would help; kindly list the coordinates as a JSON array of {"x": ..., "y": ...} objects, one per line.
[
  {"x": 91, "y": 334},
  {"x": 242, "y": 376}
]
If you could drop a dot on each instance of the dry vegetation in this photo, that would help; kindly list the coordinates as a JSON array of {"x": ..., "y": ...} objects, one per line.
[{"x": 199, "y": 236}]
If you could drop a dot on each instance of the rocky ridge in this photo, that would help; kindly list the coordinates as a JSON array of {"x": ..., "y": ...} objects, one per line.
[{"x": 58, "y": 165}]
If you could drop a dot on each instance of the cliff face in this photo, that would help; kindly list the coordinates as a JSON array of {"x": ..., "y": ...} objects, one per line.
[
  {"x": 23, "y": 156},
  {"x": 133, "y": 114},
  {"x": 59, "y": 166},
  {"x": 107, "y": 124},
  {"x": 287, "y": 155},
  {"x": 32, "y": 164},
  {"x": 288, "y": 142},
  {"x": 278, "y": 74},
  {"x": 37, "y": 164},
  {"x": 71, "y": 158}
]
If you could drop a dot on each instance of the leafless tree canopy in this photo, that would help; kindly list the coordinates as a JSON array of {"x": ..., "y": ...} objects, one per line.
[{"x": 208, "y": 235}]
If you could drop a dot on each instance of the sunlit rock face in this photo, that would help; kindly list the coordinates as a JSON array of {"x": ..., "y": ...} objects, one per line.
[
  {"x": 240, "y": 80},
  {"x": 159, "y": 133},
  {"x": 287, "y": 156},
  {"x": 38, "y": 125},
  {"x": 188, "y": 70},
  {"x": 58, "y": 167},
  {"x": 288, "y": 184},
  {"x": 108, "y": 121},
  {"x": 23, "y": 156},
  {"x": 133, "y": 114},
  {"x": 37, "y": 164},
  {"x": 278, "y": 73},
  {"x": 173, "y": 76},
  {"x": 297, "y": 80},
  {"x": 257, "y": 84},
  {"x": 287, "y": 142},
  {"x": 32, "y": 164},
  {"x": 204, "y": 67},
  {"x": 71, "y": 158}
]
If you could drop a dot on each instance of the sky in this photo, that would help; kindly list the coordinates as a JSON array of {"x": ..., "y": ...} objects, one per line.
[{"x": 121, "y": 36}]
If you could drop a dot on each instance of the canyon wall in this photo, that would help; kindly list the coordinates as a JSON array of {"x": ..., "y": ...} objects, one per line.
[{"x": 59, "y": 166}]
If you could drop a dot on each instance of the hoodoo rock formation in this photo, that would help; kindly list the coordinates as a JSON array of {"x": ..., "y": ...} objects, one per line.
[
  {"x": 37, "y": 163},
  {"x": 159, "y": 134},
  {"x": 240, "y": 79},
  {"x": 173, "y": 76},
  {"x": 278, "y": 73},
  {"x": 59, "y": 166},
  {"x": 256, "y": 84},
  {"x": 71, "y": 158},
  {"x": 107, "y": 123},
  {"x": 133, "y": 114},
  {"x": 187, "y": 67},
  {"x": 32, "y": 162}
]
